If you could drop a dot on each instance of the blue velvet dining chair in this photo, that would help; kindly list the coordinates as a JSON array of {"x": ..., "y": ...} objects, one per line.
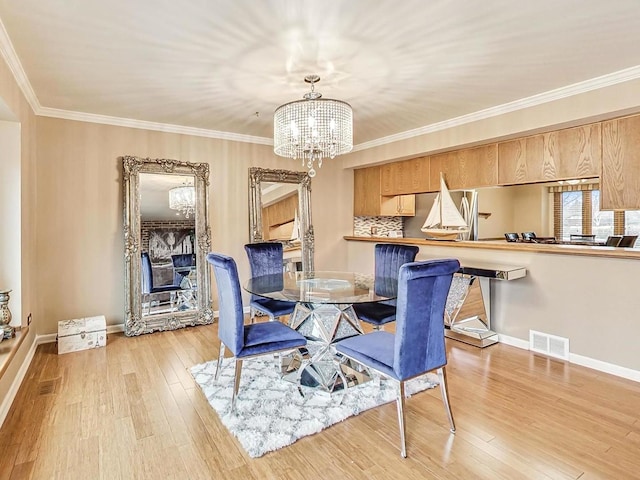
[
  {"x": 245, "y": 341},
  {"x": 388, "y": 260},
  {"x": 266, "y": 258},
  {"x": 417, "y": 347}
]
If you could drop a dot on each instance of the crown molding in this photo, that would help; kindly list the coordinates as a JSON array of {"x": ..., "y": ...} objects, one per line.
[
  {"x": 144, "y": 125},
  {"x": 610, "y": 79},
  {"x": 13, "y": 62}
]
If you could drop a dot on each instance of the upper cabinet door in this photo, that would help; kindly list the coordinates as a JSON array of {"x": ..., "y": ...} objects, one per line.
[
  {"x": 405, "y": 177},
  {"x": 366, "y": 192},
  {"x": 560, "y": 155},
  {"x": 467, "y": 168},
  {"x": 620, "y": 180},
  {"x": 368, "y": 201},
  {"x": 573, "y": 152},
  {"x": 521, "y": 161}
]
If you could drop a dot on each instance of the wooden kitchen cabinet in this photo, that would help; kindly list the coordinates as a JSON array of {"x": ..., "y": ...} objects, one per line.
[
  {"x": 521, "y": 160},
  {"x": 398, "y": 206},
  {"x": 368, "y": 199},
  {"x": 465, "y": 169},
  {"x": 574, "y": 152},
  {"x": 620, "y": 178},
  {"x": 405, "y": 177},
  {"x": 566, "y": 154},
  {"x": 278, "y": 214}
]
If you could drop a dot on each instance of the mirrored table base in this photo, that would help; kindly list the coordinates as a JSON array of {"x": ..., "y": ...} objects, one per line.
[{"x": 323, "y": 325}]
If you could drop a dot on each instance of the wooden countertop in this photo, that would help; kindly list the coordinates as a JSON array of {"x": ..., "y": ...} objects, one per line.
[{"x": 577, "y": 250}]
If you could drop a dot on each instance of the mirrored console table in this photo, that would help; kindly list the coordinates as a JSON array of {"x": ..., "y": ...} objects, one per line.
[{"x": 468, "y": 309}]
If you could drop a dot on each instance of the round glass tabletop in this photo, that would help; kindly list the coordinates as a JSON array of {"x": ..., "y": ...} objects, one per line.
[{"x": 323, "y": 287}]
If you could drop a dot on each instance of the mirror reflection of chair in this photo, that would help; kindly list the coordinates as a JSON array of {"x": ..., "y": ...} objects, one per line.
[
  {"x": 388, "y": 260},
  {"x": 245, "y": 341},
  {"x": 628, "y": 241},
  {"x": 183, "y": 264},
  {"x": 417, "y": 347},
  {"x": 613, "y": 240},
  {"x": 148, "y": 289},
  {"x": 267, "y": 258},
  {"x": 184, "y": 275}
]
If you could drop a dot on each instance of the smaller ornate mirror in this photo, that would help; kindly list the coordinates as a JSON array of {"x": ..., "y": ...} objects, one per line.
[
  {"x": 278, "y": 212},
  {"x": 167, "y": 238}
]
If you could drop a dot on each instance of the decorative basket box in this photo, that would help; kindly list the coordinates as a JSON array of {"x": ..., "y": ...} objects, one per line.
[{"x": 81, "y": 334}]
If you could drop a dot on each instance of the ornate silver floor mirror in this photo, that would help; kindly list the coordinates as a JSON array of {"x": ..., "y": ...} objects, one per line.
[
  {"x": 269, "y": 189},
  {"x": 166, "y": 240}
]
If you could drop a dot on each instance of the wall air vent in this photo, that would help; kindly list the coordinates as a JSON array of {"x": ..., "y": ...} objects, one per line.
[{"x": 551, "y": 345}]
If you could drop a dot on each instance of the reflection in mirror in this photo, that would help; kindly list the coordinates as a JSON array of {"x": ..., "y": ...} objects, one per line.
[
  {"x": 168, "y": 233},
  {"x": 166, "y": 240},
  {"x": 518, "y": 208},
  {"x": 280, "y": 210}
]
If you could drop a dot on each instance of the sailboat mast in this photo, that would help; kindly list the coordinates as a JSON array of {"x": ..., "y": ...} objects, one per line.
[{"x": 440, "y": 205}]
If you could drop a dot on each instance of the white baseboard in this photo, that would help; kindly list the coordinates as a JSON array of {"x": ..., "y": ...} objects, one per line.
[
  {"x": 513, "y": 341},
  {"x": 48, "y": 338},
  {"x": 605, "y": 367},
  {"x": 588, "y": 362},
  {"x": 115, "y": 328}
]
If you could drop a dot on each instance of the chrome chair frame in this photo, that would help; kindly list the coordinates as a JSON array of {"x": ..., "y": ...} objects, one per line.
[{"x": 400, "y": 396}]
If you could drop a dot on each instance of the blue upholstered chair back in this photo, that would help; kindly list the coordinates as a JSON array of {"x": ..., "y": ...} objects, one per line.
[
  {"x": 183, "y": 260},
  {"x": 231, "y": 321},
  {"x": 265, "y": 258},
  {"x": 422, "y": 294},
  {"x": 146, "y": 273},
  {"x": 388, "y": 260}
]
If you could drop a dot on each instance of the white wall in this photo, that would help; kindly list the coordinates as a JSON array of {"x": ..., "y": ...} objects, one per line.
[{"x": 80, "y": 249}]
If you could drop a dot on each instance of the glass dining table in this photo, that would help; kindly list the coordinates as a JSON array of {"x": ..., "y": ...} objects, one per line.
[{"x": 324, "y": 315}]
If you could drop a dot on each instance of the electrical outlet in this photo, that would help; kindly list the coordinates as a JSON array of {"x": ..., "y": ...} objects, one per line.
[{"x": 29, "y": 319}]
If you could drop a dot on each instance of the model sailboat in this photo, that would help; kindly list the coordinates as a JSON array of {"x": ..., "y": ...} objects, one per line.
[{"x": 444, "y": 221}]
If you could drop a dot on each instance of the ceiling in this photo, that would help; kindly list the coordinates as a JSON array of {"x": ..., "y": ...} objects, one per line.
[{"x": 224, "y": 66}]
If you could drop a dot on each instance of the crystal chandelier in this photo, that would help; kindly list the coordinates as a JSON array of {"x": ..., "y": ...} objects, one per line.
[
  {"x": 313, "y": 128},
  {"x": 183, "y": 199}
]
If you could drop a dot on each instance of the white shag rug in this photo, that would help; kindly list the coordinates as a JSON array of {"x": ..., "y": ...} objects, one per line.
[{"x": 271, "y": 414}]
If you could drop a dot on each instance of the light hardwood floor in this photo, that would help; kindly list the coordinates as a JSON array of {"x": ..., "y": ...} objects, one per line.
[{"x": 132, "y": 411}]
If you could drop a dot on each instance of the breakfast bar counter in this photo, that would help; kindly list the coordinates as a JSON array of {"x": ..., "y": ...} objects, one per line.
[
  {"x": 560, "y": 249},
  {"x": 586, "y": 295}
]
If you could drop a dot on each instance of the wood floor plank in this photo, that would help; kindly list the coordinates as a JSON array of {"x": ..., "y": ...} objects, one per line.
[{"x": 132, "y": 410}]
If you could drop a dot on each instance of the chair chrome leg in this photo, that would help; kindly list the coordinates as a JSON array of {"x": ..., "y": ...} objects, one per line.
[
  {"x": 442, "y": 376},
  {"x": 400, "y": 401},
  {"x": 252, "y": 314},
  {"x": 236, "y": 384},
  {"x": 219, "y": 364}
]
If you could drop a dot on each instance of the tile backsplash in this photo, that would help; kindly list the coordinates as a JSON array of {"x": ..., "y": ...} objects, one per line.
[{"x": 362, "y": 226}]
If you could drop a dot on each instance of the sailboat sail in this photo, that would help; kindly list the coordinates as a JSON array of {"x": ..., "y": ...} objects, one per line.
[{"x": 444, "y": 220}]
